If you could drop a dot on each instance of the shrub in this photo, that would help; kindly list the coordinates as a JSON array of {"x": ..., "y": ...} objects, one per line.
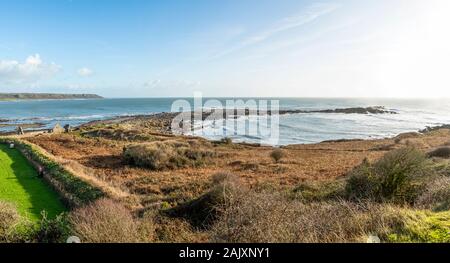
[
  {"x": 52, "y": 230},
  {"x": 397, "y": 177},
  {"x": 9, "y": 219},
  {"x": 398, "y": 172},
  {"x": 362, "y": 183},
  {"x": 106, "y": 221},
  {"x": 165, "y": 155},
  {"x": 266, "y": 217},
  {"x": 436, "y": 195},
  {"x": 442, "y": 152},
  {"x": 202, "y": 211},
  {"x": 13, "y": 227},
  {"x": 277, "y": 155}
]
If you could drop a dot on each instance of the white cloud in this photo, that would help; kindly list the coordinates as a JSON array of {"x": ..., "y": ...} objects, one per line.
[
  {"x": 31, "y": 71},
  {"x": 85, "y": 72},
  {"x": 308, "y": 15}
]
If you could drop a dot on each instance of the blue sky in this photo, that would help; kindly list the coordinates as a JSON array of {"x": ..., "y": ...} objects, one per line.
[{"x": 341, "y": 48}]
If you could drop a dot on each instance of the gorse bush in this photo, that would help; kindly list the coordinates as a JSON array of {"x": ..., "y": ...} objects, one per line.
[
  {"x": 399, "y": 173},
  {"x": 166, "y": 155},
  {"x": 396, "y": 177},
  {"x": 362, "y": 183}
]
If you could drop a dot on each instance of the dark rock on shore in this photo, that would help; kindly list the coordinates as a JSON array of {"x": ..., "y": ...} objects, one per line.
[
  {"x": 435, "y": 128},
  {"x": 355, "y": 110}
]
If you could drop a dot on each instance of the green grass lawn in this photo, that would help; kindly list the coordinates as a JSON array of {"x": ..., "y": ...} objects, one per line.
[{"x": 20, "y": 185}]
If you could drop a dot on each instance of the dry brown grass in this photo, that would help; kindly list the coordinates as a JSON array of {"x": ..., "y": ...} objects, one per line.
[
  {"x": 9, "y": 219},
  {"x": 436, "y": 195},
  {"x": 176, "y": 230},
  {"x": 170, "y": 154},
  {"x": 106, "y": 221},
  {"x": 202, "y": 211},
  {"x": 268, "y": 217},
  {"x": 253, "y": 165}
]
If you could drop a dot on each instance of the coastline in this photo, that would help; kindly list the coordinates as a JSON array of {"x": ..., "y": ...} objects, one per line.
[
  {"x": 95, "y": 154},
  {"x": 162, "y": 121}
]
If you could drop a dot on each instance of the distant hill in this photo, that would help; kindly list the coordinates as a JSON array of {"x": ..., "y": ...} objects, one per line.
[{"x": 46, "y": 96}]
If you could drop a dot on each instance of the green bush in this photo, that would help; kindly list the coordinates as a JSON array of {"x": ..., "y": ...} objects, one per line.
[
  {"x": 362, "y": 183},
  {"x": 397, "y": 177},
  {"x": 52, "y": 230},
  {"x": 17, "y": 229}
]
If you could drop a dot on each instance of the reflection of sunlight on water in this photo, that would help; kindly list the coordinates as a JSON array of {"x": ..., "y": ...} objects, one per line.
[{"x": 317, "y": 127}]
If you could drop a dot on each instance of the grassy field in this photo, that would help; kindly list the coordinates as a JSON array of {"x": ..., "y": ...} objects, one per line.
[{"x": 20, "y": 185}]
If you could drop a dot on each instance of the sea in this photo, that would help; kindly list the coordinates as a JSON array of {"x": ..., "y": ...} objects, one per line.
[{"x": 301, "y": 128}]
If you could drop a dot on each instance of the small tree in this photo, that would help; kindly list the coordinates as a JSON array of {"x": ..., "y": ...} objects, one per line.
[{"x": 277, "y": 155}]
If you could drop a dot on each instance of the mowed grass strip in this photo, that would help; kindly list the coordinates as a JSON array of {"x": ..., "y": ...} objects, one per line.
[{"x": 21, "y": 186}]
